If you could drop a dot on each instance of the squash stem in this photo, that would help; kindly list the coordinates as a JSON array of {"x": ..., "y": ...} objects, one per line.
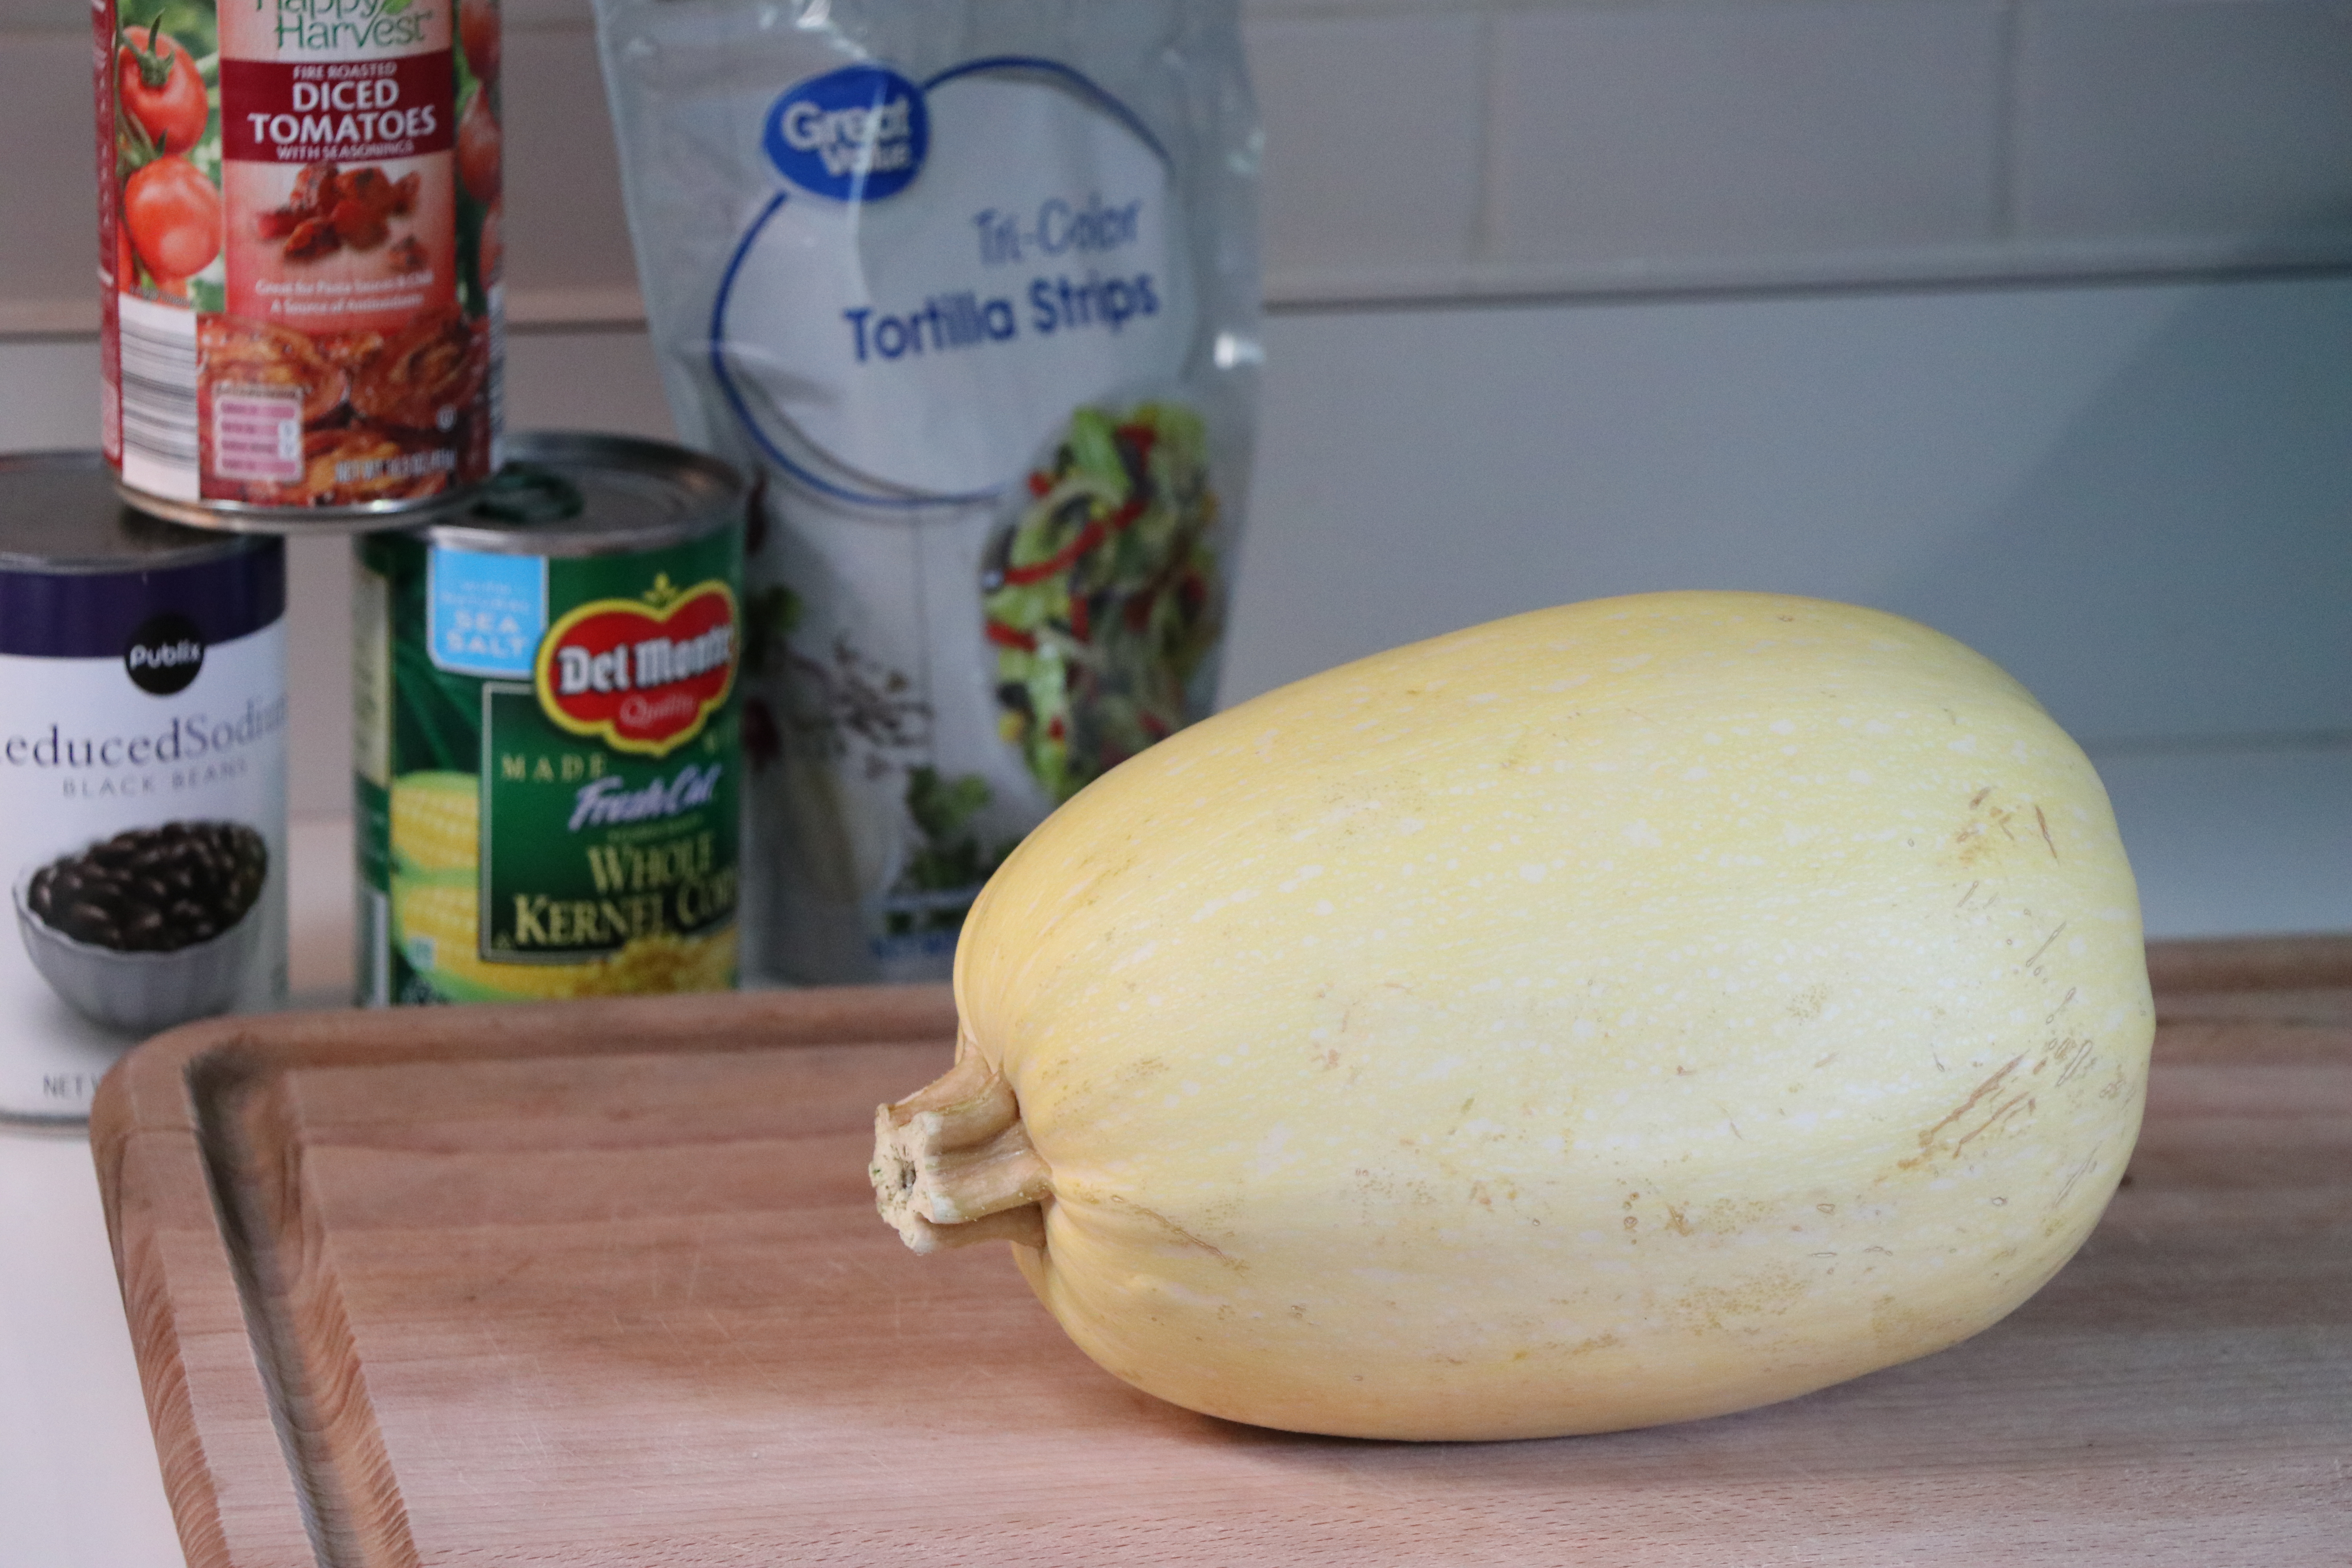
[{"x": 954, "y": 1165}]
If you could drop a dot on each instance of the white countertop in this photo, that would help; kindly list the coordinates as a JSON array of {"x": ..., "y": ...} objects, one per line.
[{"x": 79, "y": 1482}]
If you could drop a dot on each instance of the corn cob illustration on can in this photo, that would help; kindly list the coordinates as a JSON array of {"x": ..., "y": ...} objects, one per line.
[{"x": 547, "y": 743}]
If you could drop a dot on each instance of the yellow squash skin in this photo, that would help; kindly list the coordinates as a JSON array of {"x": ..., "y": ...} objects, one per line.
[{"x": 1619, "y": 1013}]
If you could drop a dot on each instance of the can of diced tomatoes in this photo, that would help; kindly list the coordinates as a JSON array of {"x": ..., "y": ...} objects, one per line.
[
  {"x": 298, "y": 256},
  {"x": 547, "y": 743},
  {"x": 142, "y": 778}
]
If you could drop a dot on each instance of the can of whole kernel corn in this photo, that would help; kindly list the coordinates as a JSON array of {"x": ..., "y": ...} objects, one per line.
[
  {"x": 142, "y": 778},
  {"x": 298, "y": 256},
  {"x": 547, "y": 741}
]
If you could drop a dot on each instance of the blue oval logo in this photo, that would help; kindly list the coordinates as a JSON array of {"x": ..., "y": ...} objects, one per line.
[{"x": 857, "y": 134}]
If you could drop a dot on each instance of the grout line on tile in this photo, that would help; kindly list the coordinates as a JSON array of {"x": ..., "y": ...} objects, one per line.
[
  {"x": 1316, "y": 10},
  {"x": 592, "y": 327},
  {"x": 55, "y": 322},
  {"x": 2253, "y": 741},
  {"x": 1936, "y": 282}
]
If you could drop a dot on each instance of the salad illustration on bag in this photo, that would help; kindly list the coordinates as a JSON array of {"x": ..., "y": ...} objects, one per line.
[{"x": 1101, "y": 598}]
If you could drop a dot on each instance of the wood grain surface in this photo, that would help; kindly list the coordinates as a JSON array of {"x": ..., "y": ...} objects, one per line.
[{"x": 602, "y": 1283}]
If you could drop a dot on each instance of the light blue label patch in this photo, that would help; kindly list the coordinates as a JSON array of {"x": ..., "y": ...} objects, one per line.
[{"x": 485, "y": 614}]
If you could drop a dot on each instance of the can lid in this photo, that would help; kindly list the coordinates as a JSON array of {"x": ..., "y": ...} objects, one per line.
[
  {"x": 567, "y": 493},
  {"x": 60, "y": 513}
]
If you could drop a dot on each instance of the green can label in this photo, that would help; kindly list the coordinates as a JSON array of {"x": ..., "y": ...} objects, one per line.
[{"x": 548, "y": 760}]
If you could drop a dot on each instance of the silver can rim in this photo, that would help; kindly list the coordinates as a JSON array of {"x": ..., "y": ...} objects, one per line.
[
  {"x": 200, "y": 546},
  {"x": 714, "y": 493},
  {"x": 295, "y": 522}
]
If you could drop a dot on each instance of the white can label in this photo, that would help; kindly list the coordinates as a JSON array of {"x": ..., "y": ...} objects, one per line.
[{"x": 142, "y": 817}]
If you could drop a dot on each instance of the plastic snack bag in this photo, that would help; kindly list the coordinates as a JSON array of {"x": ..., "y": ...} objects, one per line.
[{"x": 972, "y": 286}]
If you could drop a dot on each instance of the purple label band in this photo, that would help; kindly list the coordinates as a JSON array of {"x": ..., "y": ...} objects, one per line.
[{"x": 92, "y": 614}]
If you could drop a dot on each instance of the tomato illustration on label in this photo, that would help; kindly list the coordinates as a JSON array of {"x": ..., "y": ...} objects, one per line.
[{"x": 643, "y": 677}]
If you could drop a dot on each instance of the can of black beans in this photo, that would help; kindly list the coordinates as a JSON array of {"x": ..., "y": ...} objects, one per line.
[{"x": 142, "y": 778}]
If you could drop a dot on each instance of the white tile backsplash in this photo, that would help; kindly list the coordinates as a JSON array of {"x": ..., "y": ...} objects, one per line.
[
  {"x": 2135, "y": 496},
  {"x": 2132, "y": 497},
  {"x": 2232, "y": 841},
  {"x": 522, "y": 14},
  {"x": 2150, "y": 116},
  {"x": 43, "y": 16},
  {"x": 564, "y": 228},
  {"x": 1422, "y": 150},
  {"x": 1624, "y": 136},
  {"x": 1374, "y": 138},
  {"x": 48, "y": 204},
  {"x": 587, "y": 381},
  {"x": 49, "y": 394}
]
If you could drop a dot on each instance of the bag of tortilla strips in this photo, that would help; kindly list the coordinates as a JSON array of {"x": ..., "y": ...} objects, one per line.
[{"x": 972, "y": 286}]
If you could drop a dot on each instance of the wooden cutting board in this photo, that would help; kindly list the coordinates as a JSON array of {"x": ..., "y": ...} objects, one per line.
[{"x": 601, "y": 1284}]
